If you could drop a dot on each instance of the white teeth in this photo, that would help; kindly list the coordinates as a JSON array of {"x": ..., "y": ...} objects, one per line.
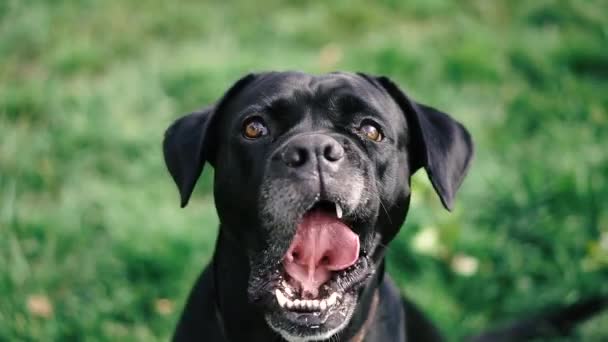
[
  {"x": 280, "y": 298},
  {"x": 332, "y": 299},
  {"x": 304, "y": 304},
  {"x": 338, "y": 211}
]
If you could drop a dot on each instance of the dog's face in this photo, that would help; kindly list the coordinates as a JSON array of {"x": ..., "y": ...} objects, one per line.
[{"x": 312, "y": 175}]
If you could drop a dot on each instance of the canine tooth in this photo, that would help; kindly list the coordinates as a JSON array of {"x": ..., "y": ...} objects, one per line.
[
  {"x": 338, "y": 211},
  {"x": 280, "y": 297},
  {"x": 323, "y": 304},
  {"x": 332, "y": 299}
]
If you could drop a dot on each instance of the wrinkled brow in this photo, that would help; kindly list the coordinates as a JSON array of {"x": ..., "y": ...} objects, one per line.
[
  {"x": 348, "y": 103},
  {"x": 336, "y": 102},
  {"x": 279, "y": 104}
]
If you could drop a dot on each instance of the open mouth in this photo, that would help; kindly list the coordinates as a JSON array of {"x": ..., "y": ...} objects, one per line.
[{"x": 315, "y": 292}]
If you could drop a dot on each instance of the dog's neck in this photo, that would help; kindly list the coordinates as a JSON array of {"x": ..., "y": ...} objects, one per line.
[
  {"x": 231, "y": 300},
  {"x": 230, "y": 294},
  {"x": 360, "y": 336}
]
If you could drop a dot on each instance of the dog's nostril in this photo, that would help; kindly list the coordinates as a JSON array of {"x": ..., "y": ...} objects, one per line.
[
  {"x": 333, "y": 152},
  {"x": 294, "y": 157}
]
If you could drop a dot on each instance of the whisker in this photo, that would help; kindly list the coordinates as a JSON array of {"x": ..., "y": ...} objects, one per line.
[{"x": 382, "y": 203}]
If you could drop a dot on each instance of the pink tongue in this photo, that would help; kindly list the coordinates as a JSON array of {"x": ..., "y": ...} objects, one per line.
[{"x": 322, "y": 244}]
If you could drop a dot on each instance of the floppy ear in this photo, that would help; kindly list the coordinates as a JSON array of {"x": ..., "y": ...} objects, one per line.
[
  {"x": 184, "y": 152},
  {"x": 438, "y": 143},
  {"x": 186, "y": 147}
]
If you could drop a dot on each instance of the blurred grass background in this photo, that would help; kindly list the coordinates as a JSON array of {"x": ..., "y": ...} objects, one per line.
[{"x": 94, "y": 247}]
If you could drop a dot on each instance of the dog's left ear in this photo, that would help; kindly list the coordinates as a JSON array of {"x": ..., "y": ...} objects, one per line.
[
  {"x": 438, "y": 143},
  {"x": 188, "y": 145}
]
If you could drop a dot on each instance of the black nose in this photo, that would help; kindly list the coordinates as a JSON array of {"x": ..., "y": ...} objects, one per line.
[{"x": 305, "y": 150}]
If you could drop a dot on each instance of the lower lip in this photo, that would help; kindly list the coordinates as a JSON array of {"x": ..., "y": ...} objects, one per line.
[{"x": 308, "y": 319}]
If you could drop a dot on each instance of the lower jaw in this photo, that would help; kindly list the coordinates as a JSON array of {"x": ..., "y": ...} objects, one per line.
[
  {"x": 311, "y": 325},
  {"x": 314, "y": 325},
  {"x": 310, "y": 334}
]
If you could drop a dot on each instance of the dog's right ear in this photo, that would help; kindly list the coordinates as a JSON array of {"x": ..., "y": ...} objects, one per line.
[
  {"x": 183, "y": 148},
  {"x": 187, "y": 146}
]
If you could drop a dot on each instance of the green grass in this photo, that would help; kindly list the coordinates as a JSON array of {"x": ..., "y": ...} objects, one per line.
[{"x": 93, "y": 245}]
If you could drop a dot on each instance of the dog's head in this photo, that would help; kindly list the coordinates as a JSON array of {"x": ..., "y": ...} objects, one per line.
[{"x": 312, "y": 178}]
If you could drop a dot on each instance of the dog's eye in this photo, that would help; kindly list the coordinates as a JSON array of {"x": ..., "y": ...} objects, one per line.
[
  {"x": 254, "y": 128},
  {"x": 371, "y": 132}
]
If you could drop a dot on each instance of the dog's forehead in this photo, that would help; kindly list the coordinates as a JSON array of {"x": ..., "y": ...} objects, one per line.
[{"x": 288, "y": 85}]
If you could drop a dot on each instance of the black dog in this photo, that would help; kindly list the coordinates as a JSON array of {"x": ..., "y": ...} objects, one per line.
[{"x": 312, "y": 181}]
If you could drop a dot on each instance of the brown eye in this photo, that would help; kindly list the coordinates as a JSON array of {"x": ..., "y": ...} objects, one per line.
[
  {"x": 254, "y": 128},
  {"x": 371, "y": 132}
]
